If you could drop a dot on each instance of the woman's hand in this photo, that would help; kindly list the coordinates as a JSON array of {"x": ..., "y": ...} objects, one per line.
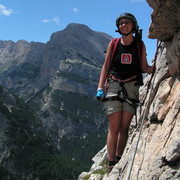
[{"x": 100, "y": 94}]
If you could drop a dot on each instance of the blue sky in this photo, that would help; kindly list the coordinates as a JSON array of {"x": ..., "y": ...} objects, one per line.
[{"x": 36, "y": 20}]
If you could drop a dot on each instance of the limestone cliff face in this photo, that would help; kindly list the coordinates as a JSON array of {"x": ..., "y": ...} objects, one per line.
[
  {"x": 58, "y": 80},
  {"x": 49, "y": 77},
  {"x": 158, "y": 151}
]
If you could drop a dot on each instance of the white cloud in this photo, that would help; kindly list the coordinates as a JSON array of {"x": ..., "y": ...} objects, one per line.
[
  {"x": 75, "y": 9},
  {"x": 5, "y": 11},
  {"x": 56, "y": 20}
]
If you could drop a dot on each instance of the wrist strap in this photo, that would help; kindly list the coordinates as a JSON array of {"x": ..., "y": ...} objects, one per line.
[{"x": 99, "y": 89}]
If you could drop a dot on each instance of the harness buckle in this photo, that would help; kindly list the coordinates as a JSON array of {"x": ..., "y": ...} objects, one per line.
[{"x": 122, "y": 91}]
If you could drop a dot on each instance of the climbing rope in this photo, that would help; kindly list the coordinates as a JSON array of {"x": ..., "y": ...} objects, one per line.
[
  {"x": 155, "y": 58},
  {"x": 144, "y": 115}
]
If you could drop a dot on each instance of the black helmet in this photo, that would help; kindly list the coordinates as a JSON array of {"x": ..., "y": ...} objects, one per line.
[{"x": 131, "y": 18}]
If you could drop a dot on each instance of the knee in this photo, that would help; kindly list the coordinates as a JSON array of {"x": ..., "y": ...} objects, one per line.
[{"x": 114, "y": 132}]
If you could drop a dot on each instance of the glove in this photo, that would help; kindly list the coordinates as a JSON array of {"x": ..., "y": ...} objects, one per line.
[{"x": 100, "y": 94}]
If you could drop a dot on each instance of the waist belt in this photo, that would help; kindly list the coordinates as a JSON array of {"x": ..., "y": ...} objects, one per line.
[
  {"x": 132, "y": 102},
  {"x": 113, "y": 77},
  {"x": 122, "y": 94}
]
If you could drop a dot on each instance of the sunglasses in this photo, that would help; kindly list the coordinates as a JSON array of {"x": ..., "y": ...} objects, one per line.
[{"x": 124, "y": 22}]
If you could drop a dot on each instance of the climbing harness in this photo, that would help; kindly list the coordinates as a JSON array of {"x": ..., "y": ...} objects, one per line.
[
  {"x": 144, "y": 115},
  {"x": 121, "y": 94}
]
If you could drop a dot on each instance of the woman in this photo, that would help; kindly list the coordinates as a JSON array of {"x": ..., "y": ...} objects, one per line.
[{"x": 125, "y": 65}]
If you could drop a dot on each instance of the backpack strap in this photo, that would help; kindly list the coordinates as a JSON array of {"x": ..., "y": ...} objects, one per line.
[
  {"x": 140, "y": 45},
  {"x": 114, "y": 44},
  {"x": 139, "y": 49}
]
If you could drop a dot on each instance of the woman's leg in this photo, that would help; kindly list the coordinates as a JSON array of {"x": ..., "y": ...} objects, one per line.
[
  {"x": 123, "y": 134},
  {"x": 114, "y": 127}
]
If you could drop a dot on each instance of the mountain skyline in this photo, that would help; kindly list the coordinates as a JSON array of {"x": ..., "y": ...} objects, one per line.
[
  {"x": 37, "y": 20},
  {"x": 58, "y": 81}
]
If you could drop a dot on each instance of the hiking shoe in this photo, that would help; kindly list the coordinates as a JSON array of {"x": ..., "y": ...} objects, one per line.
[
  {"x": 117, "y": 159},
  {"x": 110, "y": 169}
]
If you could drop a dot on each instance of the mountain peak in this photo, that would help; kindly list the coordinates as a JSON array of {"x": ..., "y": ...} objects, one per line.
[
  {"x": 76, "y": 25},
  {"x": 72, "y": 29}
]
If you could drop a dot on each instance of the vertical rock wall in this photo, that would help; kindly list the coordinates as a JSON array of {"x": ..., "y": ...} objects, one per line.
[{"x": 158, "y": 151}]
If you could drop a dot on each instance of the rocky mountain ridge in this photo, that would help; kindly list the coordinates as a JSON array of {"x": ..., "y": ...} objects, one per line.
[
  {"x": 33, "y": 64},
  {"x": 72, "y": 56},
  {"x": 58, "y": 80},
  {"x": 26, "y": 151}
]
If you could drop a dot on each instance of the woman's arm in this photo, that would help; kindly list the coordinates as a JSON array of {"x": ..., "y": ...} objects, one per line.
[
  {"x": 106, "y": 67},
  {"x": 144, "y": 64}
]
